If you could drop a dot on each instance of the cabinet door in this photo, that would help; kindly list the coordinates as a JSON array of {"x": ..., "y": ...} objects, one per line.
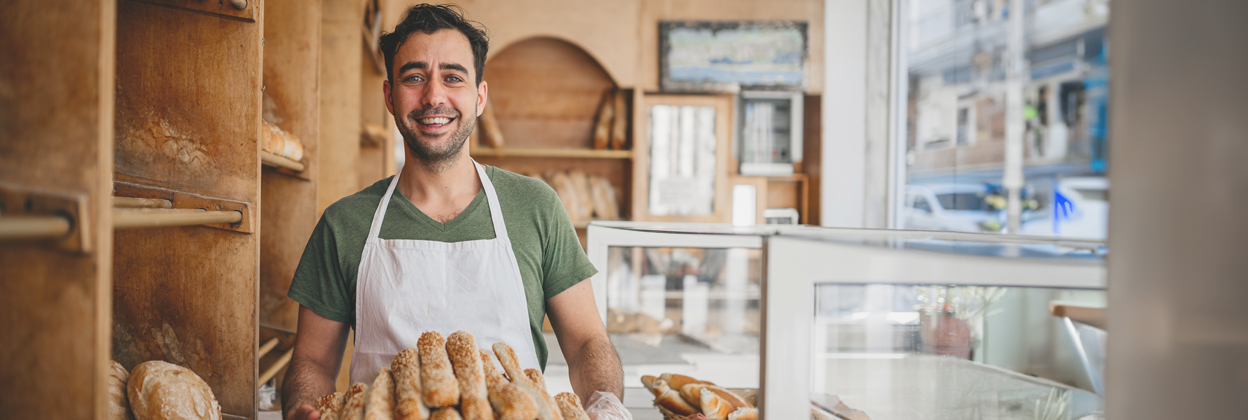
[{"x": 680, "y": 170}]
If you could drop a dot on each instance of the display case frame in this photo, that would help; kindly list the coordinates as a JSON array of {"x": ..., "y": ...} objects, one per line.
[{"x": 806, "y": 256}]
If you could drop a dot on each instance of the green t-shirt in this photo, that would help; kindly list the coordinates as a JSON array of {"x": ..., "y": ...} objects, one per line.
[{"x": 545, "y": 243}]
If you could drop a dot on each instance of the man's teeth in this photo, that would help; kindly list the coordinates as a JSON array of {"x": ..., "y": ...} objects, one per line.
[{"x": 438, "y": 120}]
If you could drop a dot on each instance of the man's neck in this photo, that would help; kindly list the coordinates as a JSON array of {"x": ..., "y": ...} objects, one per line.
[{"x": 442, "y": 194}]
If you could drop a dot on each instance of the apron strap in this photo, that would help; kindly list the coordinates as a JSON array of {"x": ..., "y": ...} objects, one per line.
[
  {"x": 374, "y": 230},
  {"x": 491, "y": 198}
]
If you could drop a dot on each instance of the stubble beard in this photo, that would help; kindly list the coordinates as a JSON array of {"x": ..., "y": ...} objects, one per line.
[{"x": 432, "y": 158}]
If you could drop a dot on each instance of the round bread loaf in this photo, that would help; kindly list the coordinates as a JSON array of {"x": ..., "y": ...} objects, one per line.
[
  {"x": 118, "y": 407},
  {"x": 164, "y": 391}
]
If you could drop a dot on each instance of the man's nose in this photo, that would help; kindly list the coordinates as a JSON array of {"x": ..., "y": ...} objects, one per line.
[{"x": 435, "y": 95}]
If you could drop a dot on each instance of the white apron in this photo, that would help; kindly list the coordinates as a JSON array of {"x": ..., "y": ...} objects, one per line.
[{"x": 407, "y": 287}]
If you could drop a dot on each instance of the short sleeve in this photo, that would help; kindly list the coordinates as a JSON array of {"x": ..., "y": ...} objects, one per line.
[
  {"x": 564, "y": 263},
  {"x": 319, "y": 282}
]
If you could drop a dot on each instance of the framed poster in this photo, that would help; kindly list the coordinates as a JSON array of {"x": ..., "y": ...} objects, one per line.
[{"x": 729, "y": 56}]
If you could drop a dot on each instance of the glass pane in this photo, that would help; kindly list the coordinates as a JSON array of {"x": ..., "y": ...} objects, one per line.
[
  {"x": 968, "y": 80},
  {"x": 692, "y": 311},
  {"x": 956, "y": 352}
]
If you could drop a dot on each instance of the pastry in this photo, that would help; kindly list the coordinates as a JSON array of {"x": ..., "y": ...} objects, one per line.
[
  {"x": 509, "y": 402},
  {"x": 353, "y": 402},
  {"x": 474, "y": 399},
  {"x": 163, "y": 391},
  {"x": 437, "y": 380},
  {"x": 693, "y": 394},
  {"x": 546, "y": 407},
  {"x": 380, "y": 402},
  {"x": 648, "y": 381},
  {"x": 408, "y": 403},
  {"x": 714, "y": 407},
  {"x": 330, "y": 405},
  {"x": 570, "y": 406},
  {"x": 672, "y": 401},
  {"x": 445, "y": 413}
]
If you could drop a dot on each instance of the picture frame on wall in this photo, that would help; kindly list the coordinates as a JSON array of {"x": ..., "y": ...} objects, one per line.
[{"x": 705, "y": 56}]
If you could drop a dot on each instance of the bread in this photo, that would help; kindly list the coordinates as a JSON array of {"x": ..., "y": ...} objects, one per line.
[
  {"x": 619, "y": 122},
  {"x": 602, "y": 196},
  {"x": 693, "y": 394},
  {"x": 353, "y": 402},
  {"x": 546, "y": 407},
  {"x": 445, "y": 413},
  {"x": 602, "y": 127},
  {"x": 567, "y": 193},
  {"x": 744, "y": 413},
  {"x": 660, "y": 387},
  {"x": 570, "y": 406},
  {"x": 585, "y": 204},
  {"x": 277, "y": 142},
  {"x": 437, "y": 380},
  {"x": 732, "y": 398},
  {"x": 509, "y": 402},
  {"x": 294, "y": 147},
  {"x": 266, "y": 138},
  {"x": 118, "y": 404},
  {"x": 750, "y": 396},
  {"x": 330, "y": 406},
  {"x": 648, "y": 381},
  {"x": 474, "y": 399},
  {"x": 408, "y": 402},
  {"x": 714, "y": 407},
  {"x": 672, "y": 401},
  {"x": 164, "y": 391},
  {"x": 380, "y": 402},
  {"x": 679, "y": 381}
]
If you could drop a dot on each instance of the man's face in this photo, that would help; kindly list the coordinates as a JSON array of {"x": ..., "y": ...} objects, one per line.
[{"x": 434, "y": 97}]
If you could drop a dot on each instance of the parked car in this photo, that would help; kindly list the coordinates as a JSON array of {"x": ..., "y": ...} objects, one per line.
[
  {"x": 958, "y": 207},
  {"x": 1078, "y": 207}
]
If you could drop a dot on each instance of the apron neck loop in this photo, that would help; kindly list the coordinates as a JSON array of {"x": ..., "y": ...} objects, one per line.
[{"x": 491, "y": 198}]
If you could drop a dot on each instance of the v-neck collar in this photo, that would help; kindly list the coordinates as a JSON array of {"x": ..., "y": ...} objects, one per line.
[{"x": 415, "y": 212}]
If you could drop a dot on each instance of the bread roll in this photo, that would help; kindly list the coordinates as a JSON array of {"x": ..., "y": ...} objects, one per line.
[
  {"x": 408, "y": 402},
  {"x": 750, "y": 396},
  {"x": 118, "y": 404},
  {"x": 266, "y": 138},
  {"x": 603, "y": 196},
  {"x": 744, "y": 413},
  {"x": 509, "y": 402},
  {"x": 380, "y": 402},
  {"x": 474, "y": 399},
  {"x": 353, "y": 402},
  {"x": 330, "y": 406},
  {"x": 294, "y": 147},
  {"x": 679, "y": 381},
  {"x": 660, "y": 387},
  {"x": 585, "y": 205},
  {"x": 570, "y": 406},
  {"x": 672, "y": 401},
  {"x": 546, "y": 407},
  {"x": 164, "y": 391},
  {"x": 732, "y": 398},
  {"x": 437, "y": 379},
  {"x": 445, "y": 413},
  {"x": 693, "y": 394},
  {"x": 277, "y": 142},
  {"x": 648, "y": 381},
  {"x": 714, "y": 407}
]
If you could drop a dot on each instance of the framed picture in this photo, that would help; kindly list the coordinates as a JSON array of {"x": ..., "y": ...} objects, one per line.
[
  {"x": 729, "y": 56},
  {"x": 681, "y": 159}
]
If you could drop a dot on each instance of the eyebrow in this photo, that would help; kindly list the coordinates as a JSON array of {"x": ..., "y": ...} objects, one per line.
[{"x": 423, "y": 65}]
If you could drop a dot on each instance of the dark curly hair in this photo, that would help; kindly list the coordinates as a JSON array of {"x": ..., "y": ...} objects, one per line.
[{"x": 429, "y": 18}]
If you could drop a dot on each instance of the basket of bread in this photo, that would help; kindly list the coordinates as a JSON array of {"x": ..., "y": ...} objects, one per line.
[
  {"x": 680, "y": 397},
  {"x": 450, "y": 378}
]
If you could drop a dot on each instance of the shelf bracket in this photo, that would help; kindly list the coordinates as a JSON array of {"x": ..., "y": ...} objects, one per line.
[
  {"x": 184, "y": 200},
  {"x": 43, "y": 215}
]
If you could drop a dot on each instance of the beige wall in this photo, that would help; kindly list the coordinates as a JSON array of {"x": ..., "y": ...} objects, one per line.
[{"x": 623, "y": 35}]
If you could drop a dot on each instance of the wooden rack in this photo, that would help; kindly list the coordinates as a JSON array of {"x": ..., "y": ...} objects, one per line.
[
  {"x": 23, "y": 228},
  {"x": 270, "y": 159}
]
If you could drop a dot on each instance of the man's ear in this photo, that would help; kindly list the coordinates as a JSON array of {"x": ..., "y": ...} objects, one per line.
[
  {"x": 385, "y": 89},
  {"x": 483, "y": 91}
]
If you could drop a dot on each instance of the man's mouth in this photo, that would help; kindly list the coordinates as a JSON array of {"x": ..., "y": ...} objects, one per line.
[{"x": 434, "y": 122}]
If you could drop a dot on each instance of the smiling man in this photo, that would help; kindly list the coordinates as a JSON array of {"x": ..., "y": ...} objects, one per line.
[{"x": 445, "y": 245}]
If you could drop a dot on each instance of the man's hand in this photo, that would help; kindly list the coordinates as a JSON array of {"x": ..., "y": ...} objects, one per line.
[
  {"x": 605, "y": 406},
  {"x": 314, "y": 364},
  {"x": 303, "y": 412},
  {"x": 593, "y": 364}
]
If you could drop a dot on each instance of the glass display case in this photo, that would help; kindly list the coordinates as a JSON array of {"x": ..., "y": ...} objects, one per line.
[{"x": 895, "y": 324}]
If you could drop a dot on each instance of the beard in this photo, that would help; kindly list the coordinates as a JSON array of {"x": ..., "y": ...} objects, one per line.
[{"x": 432, "y": 156}]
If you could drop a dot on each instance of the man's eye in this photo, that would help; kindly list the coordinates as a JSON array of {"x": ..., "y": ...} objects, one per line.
[
  {"x": 454, "y": 79},
  {"x": 412, "y": 79}
]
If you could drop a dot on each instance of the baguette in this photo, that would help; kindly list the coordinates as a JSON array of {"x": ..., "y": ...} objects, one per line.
[
  {"x": 672, "y": 401},
  {"x": 408, "y": 403},
  {"x": 648, "y": 381},
  {"x": 546, "y": 407},
  {"x": 679, "y": 381},
  {"x": 660, "y": 387},
  {"x": 744, "y": 413},
  {"x": 380, "y": 402},
  {"x": 584, "y": 194},
  {"x": 693, "y": 394},
  {"x": 353, "y": 402},
  {"x": 619, "y": 122},
  {"x": 330, "y": 405},
  {"x": 714, "y": 407},
  {"x": 474, "y": 399},
  {"x": 445, "y": 413},
  {"x": 602, "y": 127},
  {"x": 437, "y": 380},
  {"x": 509, "y": 402},
  {"x": 570, "y": 406},
  {"x": 736, "y": 400}
]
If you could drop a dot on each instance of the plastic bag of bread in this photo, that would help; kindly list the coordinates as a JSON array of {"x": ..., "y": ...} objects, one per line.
[{"x": 165, "y": 391}]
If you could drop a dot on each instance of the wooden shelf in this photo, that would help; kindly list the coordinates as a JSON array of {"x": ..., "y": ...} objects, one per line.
[
  {"x": 269, "y": 159},
  {"x": 550, "y": 152}
]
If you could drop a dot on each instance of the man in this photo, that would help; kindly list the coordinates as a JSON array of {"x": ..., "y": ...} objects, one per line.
[{"x": 446, "y": 244}]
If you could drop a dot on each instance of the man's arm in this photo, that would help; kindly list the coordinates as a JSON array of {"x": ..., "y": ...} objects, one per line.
[
  {"x": 593, "y": 364},
  {"x": 314, "y": 364}
]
